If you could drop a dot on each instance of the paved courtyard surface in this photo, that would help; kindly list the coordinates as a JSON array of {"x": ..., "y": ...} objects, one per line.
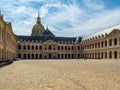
[{"x": 61, "y": 75}]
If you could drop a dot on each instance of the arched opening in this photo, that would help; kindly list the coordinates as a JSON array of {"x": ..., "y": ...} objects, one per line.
[
  {"x": 95, "y": 45},
  {"x": 65, "y": 47},
  {"x": 98, "y": 44},
  {"x": 106, "y": 43},
  {"x": 69, "y": 56},
  {"x": 78, "y": 48},
  {"x": 40, "y": 47},
  {"x": 110, "y": 42},
  {"x": 58, "y": 56},
  {"x": 36, "y": 47},
  {"x": 115, "y": 54},
  {"x": 28, "y": 56},
  {"x": 98, "y": 55},
  {"x": 95, "y": 55},
  {"x": 32, "y": 47},
  {"x": 40, "y": 56},
  {"x": 36, "y": 56},
  {"x": 24, "y": 47},
  {"x": 61, "y": 47},
  {"x": 19, "y": 55},
  {"x": 24, "y": 56},
  {"x": 110, "y": 54},
  {"x": 65, "y": 56},
  {"x": 115, "y": 41},
  {"x": 32, "y": 56},
  {"x": 28, "y": 47},
  {"x": 72, "y": 55},
  {"x": 19, "y": 47},
  {"x": 50, "y": 47},
  {"x": 102, "y": 44},
  {"x": 50, "y": 56},
  {"x": 106, "y": 55},
  {"x": 62, "y": 56},
  {"x": 78, "y": 55},
  {"x": 101, "y": 54}
]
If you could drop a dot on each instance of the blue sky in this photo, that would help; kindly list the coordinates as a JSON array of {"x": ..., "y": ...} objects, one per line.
[{"x": 63, "y": 17}]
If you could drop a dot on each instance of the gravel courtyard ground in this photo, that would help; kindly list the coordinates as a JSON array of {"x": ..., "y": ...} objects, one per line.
[{"x": 61, "y": 75}]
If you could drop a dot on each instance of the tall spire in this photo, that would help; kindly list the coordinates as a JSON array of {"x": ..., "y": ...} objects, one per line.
[
  {"x": 0, "y": 12},
  {"x": 38, "y": 14},
  {"x": 38, "y": 18}
]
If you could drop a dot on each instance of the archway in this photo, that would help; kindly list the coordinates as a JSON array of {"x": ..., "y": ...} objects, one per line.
[
  {"x": 115, "y": 54},
  {"x": 50, "y": 56}
]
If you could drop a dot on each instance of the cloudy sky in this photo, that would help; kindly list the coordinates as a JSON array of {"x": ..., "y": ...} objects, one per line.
[{"x": 63, "y": 17}]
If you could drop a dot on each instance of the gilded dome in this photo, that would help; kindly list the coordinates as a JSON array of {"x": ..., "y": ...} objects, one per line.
[{"x": 38, "y": 28}]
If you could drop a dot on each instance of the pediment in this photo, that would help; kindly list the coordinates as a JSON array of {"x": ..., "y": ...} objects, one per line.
[
  {"x": 49, "y": 42},
  {"x": 114, "y": 32}
]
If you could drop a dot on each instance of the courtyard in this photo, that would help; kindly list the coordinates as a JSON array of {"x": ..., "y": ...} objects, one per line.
[{"x": 61, "y": 75}]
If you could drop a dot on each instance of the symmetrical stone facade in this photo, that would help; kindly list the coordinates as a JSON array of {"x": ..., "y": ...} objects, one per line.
[
  {"x": 43, "y": 44},
  {"x": 102, "y": 46},
  {"x": 8, "y": 42}
]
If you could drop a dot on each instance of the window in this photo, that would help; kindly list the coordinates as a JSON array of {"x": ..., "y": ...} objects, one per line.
[
  {"x": 98, "y": 44},
  {"x": 102, "y": 44},
  {"x": 115, "y": 41},
  {"x": 19, "y": 46},
  {"x": 24, "y": 47},
  {"x": 61, "y": 47},
  {"x": 40, "y": 47},
  {"x": 28, "y": 47},
  {"x": 58, "y": 47},
  {"x": 110, "y": 42},
  {"x": 65, "y": 47},
  {"x": 32, "y": 47},
  {"x": 106, "y": 43},
  {"x": 36, "y": 47},
  {"x": 50, "y": 47}
]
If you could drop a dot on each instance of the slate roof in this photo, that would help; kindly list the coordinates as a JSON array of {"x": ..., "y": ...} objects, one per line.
[
  {"x": 47, "y": 32},
  {"x": 45, "y": 38},
  {"x": 102, "y": 32}
]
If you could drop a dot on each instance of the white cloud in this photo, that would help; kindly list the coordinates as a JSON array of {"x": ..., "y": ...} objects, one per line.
[
  {"x": 94, "y": 4},
  {"x": 68, "y": 19}
]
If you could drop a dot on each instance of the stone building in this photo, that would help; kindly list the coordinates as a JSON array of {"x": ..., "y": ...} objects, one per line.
[
  {"x": 43, "y": 44},
  {"x": 104, "y": 44},
  {"x": 8, "y": 42}
]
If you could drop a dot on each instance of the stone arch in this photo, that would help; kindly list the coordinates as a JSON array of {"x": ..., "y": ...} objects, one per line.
[
  {"x": 36, "y": 47},
  {"x": 36, "y": 56},
  {"x": 40, "y": 47},
  {"x": 62, "y": 56},
  {"x": 50, "y": 47},
  {"x": 58, "y": 47},
  {"x": 65, "y": 56},
  {"x": 24, "y": 47},
  {"x": 115, "y": 41},
  {"x": 19, "y": 55},
  {"x": 106, "y": 55},
  {"x": 115, "y": 54},
  {"x": 28, "y": 47},
  {"x": 110, "y": 42},
  {"x": 101, "y": 54},
  {"x": 40, "y": 56},
  {"x": 28, "y": 56},
  {"x": 110, "y": 54},
  {"x": 102, "y": 43},
  {"x": 32, "y": 56},
  {"x": 32, "y": 47},
  {"x": 24, "y": 56},
  {"x": 19, "y": 46},
  {"x": 105, "y": 43}
]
